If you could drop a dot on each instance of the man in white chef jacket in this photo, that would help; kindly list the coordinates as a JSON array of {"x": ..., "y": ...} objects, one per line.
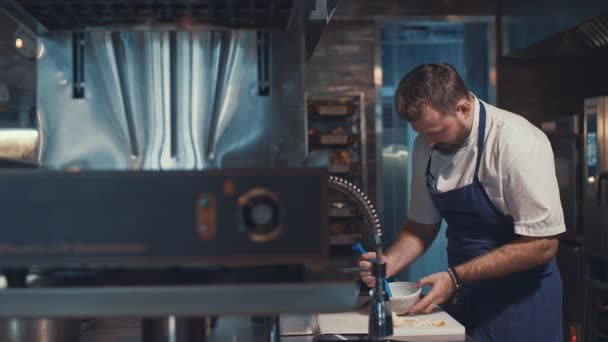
[{"x": 490, "y": 175}]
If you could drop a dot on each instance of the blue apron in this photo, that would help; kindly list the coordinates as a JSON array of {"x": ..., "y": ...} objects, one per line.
[{"x": 525, "y": 306}]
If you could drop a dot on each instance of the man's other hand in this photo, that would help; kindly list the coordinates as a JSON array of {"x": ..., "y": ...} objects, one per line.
[{"x": 442, "y": 289}]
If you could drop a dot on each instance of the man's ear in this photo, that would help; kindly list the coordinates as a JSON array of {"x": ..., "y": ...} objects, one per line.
[{"x": 464, "y": 106}]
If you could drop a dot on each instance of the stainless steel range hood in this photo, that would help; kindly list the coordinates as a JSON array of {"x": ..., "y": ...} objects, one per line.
[
  {"x": 172, "y": 100},
  {"x": 172, "y": 84},
  {"x": 595, "y": 33},
  {"x": 589, "y": 38}
]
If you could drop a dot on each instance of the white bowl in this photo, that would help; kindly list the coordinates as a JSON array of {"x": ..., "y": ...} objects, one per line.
[{"x": 405, "y": 295}]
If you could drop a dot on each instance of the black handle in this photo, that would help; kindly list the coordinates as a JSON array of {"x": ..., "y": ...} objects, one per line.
[{"x": 600, "y": 178}]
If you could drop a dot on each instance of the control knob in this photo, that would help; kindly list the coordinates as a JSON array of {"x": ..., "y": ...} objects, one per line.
[{"x": 260, "y": 214}]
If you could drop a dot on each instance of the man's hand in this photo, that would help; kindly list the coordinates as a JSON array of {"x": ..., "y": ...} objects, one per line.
[
  {"x": 364, "y": 264},
  {"x": 442, "y": 289},
  {"x": 413, "y": 239}
]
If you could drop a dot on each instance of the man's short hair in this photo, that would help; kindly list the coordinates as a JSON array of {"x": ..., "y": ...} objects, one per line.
[{"x": 436, "y": 85}]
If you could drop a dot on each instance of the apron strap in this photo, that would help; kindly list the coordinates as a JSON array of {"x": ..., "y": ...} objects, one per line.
[
  {"x": 481, "y": 134},
  {"x": 428, "y": 168}
]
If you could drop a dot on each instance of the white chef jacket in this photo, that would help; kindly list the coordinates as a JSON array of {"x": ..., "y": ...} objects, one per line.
[{"x": 516, "y": 169}]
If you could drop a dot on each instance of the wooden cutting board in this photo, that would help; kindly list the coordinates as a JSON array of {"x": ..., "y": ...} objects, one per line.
[{"x": 438, "y": 325}]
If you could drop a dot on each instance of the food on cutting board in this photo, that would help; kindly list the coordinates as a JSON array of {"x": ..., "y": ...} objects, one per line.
[{"x": 415, "y": 321}]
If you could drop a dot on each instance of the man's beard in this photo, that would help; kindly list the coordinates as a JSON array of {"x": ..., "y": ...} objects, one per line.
[
  {"x": 447, "y": 149},
  {"x": 452, "y": 148}
]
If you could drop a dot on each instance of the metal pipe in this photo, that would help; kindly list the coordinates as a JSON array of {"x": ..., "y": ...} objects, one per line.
[
  {"x": 39, "y": 330},
  {"x": 175, "y": 329}
]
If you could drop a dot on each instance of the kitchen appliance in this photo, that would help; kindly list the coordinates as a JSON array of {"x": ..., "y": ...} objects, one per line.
[
  {"x": 565, "y": 135},
  {"x": 595, "y": 215},
  {"x": 163, "y": 219},
  {"x": 595, "y": 176},
  {"x": 133, "y": 101},
  {"x": 172, "y": 149}
]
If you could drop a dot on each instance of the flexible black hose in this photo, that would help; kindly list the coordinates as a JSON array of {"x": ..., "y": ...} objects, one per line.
[{"x": 364, "y": 205}]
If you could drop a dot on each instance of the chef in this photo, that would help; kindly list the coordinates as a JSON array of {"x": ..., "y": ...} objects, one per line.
[{"x": 490, "y": 175}]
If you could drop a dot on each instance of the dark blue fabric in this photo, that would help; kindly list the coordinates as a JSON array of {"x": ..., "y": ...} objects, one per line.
[{"x": 524, "y": 306}]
